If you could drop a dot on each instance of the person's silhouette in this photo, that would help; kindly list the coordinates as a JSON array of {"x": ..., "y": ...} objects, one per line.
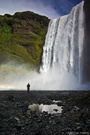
[{"x": 28, "y": 87}]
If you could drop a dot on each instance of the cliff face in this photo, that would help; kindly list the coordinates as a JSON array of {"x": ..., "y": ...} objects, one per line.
[
  {"x": 22, "y": 37},
  {"x": 86, "y": 69}
]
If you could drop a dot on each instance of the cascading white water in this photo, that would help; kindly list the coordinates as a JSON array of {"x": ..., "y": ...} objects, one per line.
[{"x": 64, "y": 43}]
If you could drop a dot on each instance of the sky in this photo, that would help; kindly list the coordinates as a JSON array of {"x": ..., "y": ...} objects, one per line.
[{"x": 50, "y": 8}]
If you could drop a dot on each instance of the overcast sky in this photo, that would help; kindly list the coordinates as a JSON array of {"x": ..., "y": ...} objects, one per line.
[{"x": 49, "y": 8}]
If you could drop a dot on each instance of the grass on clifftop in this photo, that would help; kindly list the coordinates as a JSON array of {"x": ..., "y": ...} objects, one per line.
[{"x": 22, "y": 37}]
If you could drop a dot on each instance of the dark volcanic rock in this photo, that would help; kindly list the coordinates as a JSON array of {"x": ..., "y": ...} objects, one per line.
[
  {"x": 11, "y": 98},
  {"x": 15, "y": 120}
]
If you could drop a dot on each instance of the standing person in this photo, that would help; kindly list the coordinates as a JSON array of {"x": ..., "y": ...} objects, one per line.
[{"x": 28, "y": 87}]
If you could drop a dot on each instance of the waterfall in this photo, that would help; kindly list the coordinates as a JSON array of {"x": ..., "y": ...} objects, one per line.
[
  {"x": 64, "y": 43},
  {"x": 65, "y": 59}
]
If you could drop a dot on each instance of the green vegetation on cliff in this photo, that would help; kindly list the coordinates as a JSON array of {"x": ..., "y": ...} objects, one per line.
[{"x": 22, "y": 37}]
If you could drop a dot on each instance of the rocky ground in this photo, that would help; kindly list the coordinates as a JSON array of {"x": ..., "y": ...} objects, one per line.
[{"x": 16, "y": 119}]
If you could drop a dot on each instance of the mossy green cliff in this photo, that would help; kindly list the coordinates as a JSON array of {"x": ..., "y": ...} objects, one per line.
[{"x": 22, "y": 37}]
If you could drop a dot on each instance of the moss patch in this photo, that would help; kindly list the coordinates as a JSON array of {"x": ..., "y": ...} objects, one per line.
[{"x": 22, "y": 37}]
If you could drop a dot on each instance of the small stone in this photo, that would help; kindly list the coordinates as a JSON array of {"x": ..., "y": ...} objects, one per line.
[
  {"x": 11, "y": 98},
  {"x": 55, "y": 110},
  {"x": 16, "y": 118},
  {"x": 38, "y": 133},
  {"x": 18, "y": 127},
  {"x": 79, "y": 129}
]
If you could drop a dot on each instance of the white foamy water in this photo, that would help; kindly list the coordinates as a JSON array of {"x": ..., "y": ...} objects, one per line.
[
  {"x": 64, "y": 43},
  {"x": 62, "y": 52}
]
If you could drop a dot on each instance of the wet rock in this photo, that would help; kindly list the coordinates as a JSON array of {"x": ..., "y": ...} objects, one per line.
[
  {"x": 76, "y": 108},
  {"x": 60, "y": 104},
  {"x": 38, "y": 133},
  {"x": 77, "y": 124},
  {"x": 11, "y": 98},
  {"x": 39, "y": 120},
  {"x": 17, "y": 119},
  {"x": 2, "y": 105},
  {"x": 78, "y": 129},
  {"x": 18, "y": 127},
  {"x": 55, "y": 110}
]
